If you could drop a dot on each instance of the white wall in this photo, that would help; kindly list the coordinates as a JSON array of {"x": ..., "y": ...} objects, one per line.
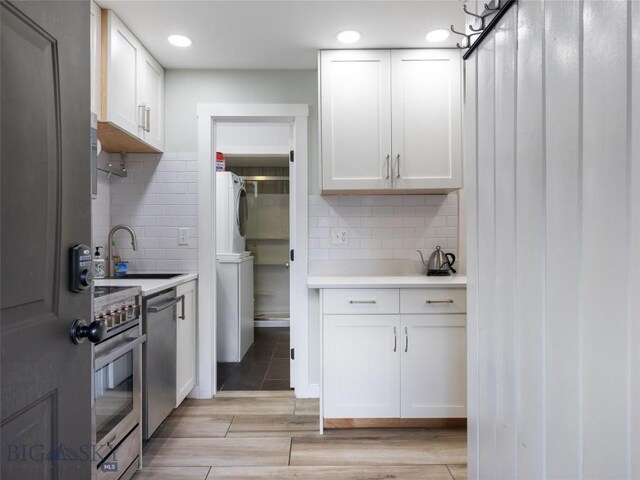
[{"x": 553, "y": 187}]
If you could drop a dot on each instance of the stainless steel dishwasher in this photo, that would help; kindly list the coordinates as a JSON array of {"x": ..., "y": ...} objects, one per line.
[{"x": 159, "y": 359}]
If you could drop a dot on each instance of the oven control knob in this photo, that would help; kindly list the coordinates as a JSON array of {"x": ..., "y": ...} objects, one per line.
[{"x": 95, "y": 331}]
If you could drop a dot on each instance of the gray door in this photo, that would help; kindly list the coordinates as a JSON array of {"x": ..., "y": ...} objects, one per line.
[{"x": 45, "y": 413}]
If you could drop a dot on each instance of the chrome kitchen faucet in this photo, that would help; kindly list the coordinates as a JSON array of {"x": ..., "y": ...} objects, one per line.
[{"x": 134, "y": 244}]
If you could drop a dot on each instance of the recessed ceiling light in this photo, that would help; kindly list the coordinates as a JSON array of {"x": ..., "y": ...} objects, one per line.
[
  {"x": 439, "y": 35},
  {"x": 348, "y": 36},
  {"x": 179, "y": 40}
]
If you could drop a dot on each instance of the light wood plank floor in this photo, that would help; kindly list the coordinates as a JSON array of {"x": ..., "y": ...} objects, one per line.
[{"x": 272, "y": 436}]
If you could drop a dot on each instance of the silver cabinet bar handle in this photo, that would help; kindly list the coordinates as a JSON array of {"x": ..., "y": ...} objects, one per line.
[
  {"x": 141, "y": 116},
  {"x": 169, "y": 304},
  {"x": 370, "y": 302},
  {"x": 395, "y": 339},
  {"x": 147, "y": 119},
  {"x": 439, "y": 301},
  {"x": 406, "y": 340},
  {"x": 398, "y": 166},
  {"x": 182, "y": 313},
  {"x": 388, "y": 167}
]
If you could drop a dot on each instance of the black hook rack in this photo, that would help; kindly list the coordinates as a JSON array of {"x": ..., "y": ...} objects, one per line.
[
  {"x": 495, "y": 10},
  {"x": 479, "y": 17},
  {"x": 466, "y": 38}
]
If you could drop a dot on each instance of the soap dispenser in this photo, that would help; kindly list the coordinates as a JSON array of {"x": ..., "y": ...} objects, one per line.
[{"x": 99, "y": 265}]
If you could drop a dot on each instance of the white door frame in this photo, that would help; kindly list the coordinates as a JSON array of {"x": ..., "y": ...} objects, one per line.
[{"x": 208, "y": 114}]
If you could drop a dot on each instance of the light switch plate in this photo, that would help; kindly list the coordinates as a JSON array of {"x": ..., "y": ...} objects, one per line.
[
  {"x": 183, "y": 236},
  {"x": 339, "y": 236}
]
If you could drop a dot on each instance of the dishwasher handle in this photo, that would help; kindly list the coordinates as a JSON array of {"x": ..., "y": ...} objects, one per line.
[{"x": 169, "y": 304}]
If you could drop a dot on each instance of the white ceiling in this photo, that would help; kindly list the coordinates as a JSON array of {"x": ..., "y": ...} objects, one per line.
[{"x": 278, "y": 34}]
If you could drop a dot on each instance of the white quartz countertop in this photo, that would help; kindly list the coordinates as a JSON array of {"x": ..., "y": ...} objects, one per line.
[
  {"x": 149, "y": 286},
  {"x": 385, "y": 281}
]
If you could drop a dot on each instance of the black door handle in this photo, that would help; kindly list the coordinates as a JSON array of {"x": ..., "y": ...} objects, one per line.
[{"x": 95, "y": 331}]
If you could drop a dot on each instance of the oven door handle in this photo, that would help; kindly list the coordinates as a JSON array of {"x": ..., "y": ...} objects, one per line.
[
  {"x": 171, "y": 303},
  {"x": 106, "y": 359}
]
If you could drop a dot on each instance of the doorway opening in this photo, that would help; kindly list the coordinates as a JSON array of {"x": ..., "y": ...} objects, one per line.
[{"x": 266, "y": 365}]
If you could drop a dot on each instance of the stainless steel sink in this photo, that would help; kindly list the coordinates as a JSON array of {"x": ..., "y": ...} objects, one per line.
[{"x": 147, "y": 276}]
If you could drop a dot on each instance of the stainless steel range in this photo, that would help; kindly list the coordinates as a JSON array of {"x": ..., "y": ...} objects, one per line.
[{"x": 118, "y": 382}]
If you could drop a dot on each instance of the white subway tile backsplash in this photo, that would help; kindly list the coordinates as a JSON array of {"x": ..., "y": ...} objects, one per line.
[
  {"x": 318, "y": 232},
  {"x": 447, "y": 232},
  {"x": 382, "y": 227},
  {"x": 318, "y": 211},
  {"x": 158, "y": 196}
]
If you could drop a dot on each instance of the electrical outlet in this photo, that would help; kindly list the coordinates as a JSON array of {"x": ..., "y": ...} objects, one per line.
[
  {"x": 183, "y": 236},
  {"x": 339, "y": 236}
]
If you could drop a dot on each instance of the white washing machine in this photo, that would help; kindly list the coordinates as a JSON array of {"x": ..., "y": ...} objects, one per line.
[{"x": 231, "y": 214}]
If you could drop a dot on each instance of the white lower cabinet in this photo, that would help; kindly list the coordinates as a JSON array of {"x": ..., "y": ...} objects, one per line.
[
  {"x": 361, "y": 366},
  {"x": 186, "y": 341},
  {"x": 235, "y": 307},
  {"x": 393, "y": 365},
  {"x": 433, "y": 366}
]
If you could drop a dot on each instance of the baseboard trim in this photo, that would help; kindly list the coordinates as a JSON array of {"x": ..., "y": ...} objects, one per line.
[{"x": 395, "y": 422}]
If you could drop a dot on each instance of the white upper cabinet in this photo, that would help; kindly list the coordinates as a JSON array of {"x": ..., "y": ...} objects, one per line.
[
  {"x": 390, "y": 120},
  {"x": 96, "y": 42},
  {"x": 132, "y": 117},
  {"x": 356, "y": 119},
  {"x": 151, "y": 92},
  {"x": 123, "y": 60},
  {"x": 426, "y": 112}
]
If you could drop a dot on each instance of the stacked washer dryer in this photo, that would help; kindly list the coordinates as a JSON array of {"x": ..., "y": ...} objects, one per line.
[{"x": 234, "y": 269}]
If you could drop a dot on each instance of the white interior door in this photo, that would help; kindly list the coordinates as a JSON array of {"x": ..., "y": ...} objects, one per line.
[
  {"x": 356, "y": 119},
  {"x": 426, "y": 126}
]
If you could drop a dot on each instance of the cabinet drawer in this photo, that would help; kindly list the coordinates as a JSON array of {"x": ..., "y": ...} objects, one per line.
[
  {"x": 361, "y": 301},
  {"x": 121, "y": 458},
  {"x": 433, "y": 300}
]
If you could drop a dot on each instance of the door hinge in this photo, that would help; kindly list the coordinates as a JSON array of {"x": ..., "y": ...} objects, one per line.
[
  {"x": 293, "y": 354},
  {"x": 291, "y": 156},
  {"x": 291, "y": 255}
]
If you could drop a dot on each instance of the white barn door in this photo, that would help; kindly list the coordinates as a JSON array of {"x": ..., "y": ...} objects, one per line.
[{"x": 552, "y": 180}]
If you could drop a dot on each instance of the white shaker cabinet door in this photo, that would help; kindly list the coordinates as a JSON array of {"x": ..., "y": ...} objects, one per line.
[
  {"x": 151, "y": 100},
  {"x": 355, "y": 91},
  {"x": 426, "y": 125},
  {"x": 123, "y": 57},
  {"x": 186, "y": 347},
  {"x": 433, "y": 366},
  {"x": 361, "y": 376},
  {"x": 96, "y": 44}
]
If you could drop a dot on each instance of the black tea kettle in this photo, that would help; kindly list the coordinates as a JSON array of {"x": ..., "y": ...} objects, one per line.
[{"x": 440, "y": 263}]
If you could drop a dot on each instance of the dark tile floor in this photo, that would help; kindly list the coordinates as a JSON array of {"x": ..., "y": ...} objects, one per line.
[{"x": 264, "y": 367}]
